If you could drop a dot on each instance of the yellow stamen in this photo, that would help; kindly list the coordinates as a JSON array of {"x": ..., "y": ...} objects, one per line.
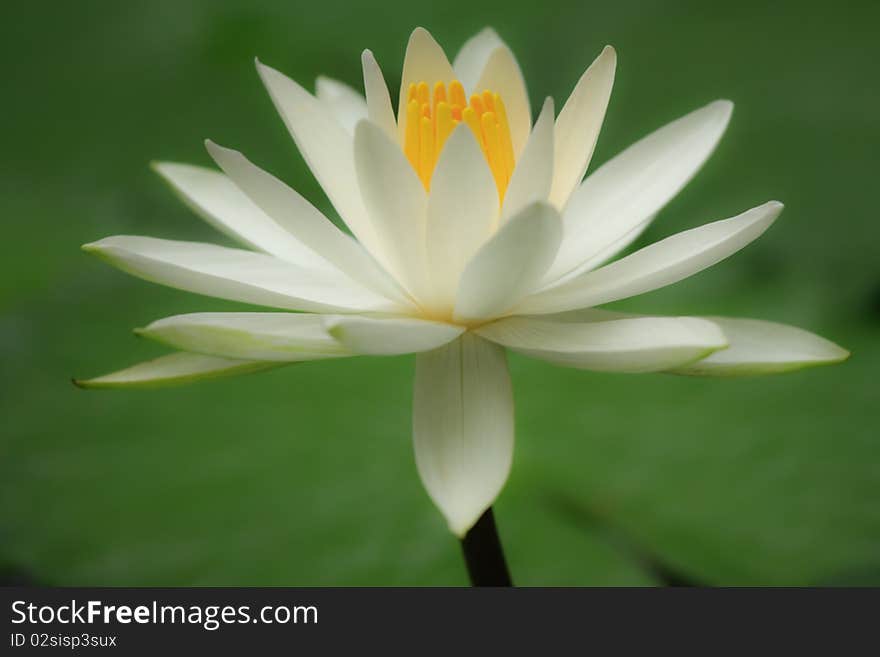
[
  {"x": 445, "y": 124},
  {"x": 489, "y": 101},
  {"x": 411, "y": 136},
  {"x": 456, "y": 94},
  {"x": 439, "y": 94},
  {"x": 422, "y": 94},
  {"x": 477, "y": 104},
  {"x": 432, "y": 115}
]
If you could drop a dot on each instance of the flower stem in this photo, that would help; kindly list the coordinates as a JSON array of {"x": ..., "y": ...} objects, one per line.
[{"x": 483, "y": 554}]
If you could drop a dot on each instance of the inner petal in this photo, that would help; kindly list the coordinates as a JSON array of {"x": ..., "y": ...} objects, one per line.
[{"x": 432, "y": 115}]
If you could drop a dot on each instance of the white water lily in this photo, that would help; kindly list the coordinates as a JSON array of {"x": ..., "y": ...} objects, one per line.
[{"x": 474, "y": 232}]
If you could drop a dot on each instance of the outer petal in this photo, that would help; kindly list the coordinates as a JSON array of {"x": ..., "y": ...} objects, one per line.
[
  {"x": 236, "y": 275},
  {"x": 174, "y": 369},
  {"x": 641, "y": 344},
  {"x": 424, "y": 61},
  {"x": 389, "y": 336},
  {"x": 503, "y": 76},
  {"x": 326, "y": 147},
  {"x": 533, "y": 175},
  {"x": 509, "y": 265},
  {"x": 283, "y": 337},
  {"x": 302, "y": 220},
  {"x": 216, "y": 199},
  {"x": 578, "y": 125},
  {"x": 663, "y": 263},
  {"x": 346, "y": 104},
  {"x": 759, "y": 347},
  {"x": 397, "y": 203},
  {"x": 463, "y": 427},
  {"x": 379, "y": 108},
  {"x": 614, "y": 204},
  {"x": 462, "y": 212},
  {"x": 473, "y": 56}
]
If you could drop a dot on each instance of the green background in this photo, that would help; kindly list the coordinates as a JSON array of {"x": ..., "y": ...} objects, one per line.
[{"x": 305, "y": 475}]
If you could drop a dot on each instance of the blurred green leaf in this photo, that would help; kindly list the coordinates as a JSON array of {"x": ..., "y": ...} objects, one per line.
[{"x": 305, "y": 475}]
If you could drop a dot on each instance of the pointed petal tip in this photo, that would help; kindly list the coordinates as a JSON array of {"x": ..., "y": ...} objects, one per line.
[
  {"x": 722, "y": 106},
  {"x": 838, "y": 354},
  {"x": 79, "y": 383},
  {"x": 215, "y": 150},
  {"x": 774, "y": 209}
]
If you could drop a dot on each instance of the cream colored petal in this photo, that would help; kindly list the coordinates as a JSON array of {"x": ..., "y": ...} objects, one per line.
[
  {"x": 641, "y": 344},
  {"x": 174, "y": 369},
  {"x": 462, "y": 212},
  {"x": 463, "y": 427},
  {"x": 533, "y": 175},
  {"x": 510, "y": 265},
  {"x": 389, "y": 336},
  {"x": 616, "y": 202},
  {"x": 502, "y": 75},
  {"x": 424, "y": 61},
  {"x": 397, "y": 203},
  {"x": 473, "y": 56},
  {"x": 309, "y": 226},
  {"x": 579, "y": 123},
  {"x": 326, "y": 147},
  {"x": 663, "y": 263},
  {"x": 217, "y": 200},
  {"x": 344, "y": 102},
  {"x": 759, "y": 347},
  {"x": 236, "y": 275},
  {"x": 379, "y": 109},
  {"x": 283, "y": 337}
]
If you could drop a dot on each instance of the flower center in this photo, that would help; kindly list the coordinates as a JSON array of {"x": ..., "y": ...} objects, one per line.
[{"x": 431, "y": 118}]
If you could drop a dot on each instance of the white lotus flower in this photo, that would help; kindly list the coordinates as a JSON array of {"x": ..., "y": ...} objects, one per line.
[{"x": 474, "y": 234}]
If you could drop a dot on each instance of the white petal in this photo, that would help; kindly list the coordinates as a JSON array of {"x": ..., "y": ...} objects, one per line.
[
  {"x": 503, "y": 76},
  {"x": 379, "y": 109},
  {"x": 641, "y": 344},
  {"x": 326, "y": 147},
  {"x": 302, "y": 220},
  {"x": 616, "y": 202},
  {"x": 579, "y": 123},
  {"x": 283, "y": 337},
  {"x": 389, "y": 336},
  {"x": 397, "y": 203},
  {"x": 473, "y": 56},
  {"x": 463, "y": 427},
  {"x": 533, "y": 175},
  {"x": 174, "y": 369},
  {"x": 216, "y": 199},
  {"x": 462, "y": 212},
  {"x": 759, "y": 347},
  {"x": 509, "y": 266},
  {"x": 346, "y": 104},
  {"x": 424, "y": 61},
  {"x": 236, "y": 275},
  {"x": 663, "y": 263}
]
